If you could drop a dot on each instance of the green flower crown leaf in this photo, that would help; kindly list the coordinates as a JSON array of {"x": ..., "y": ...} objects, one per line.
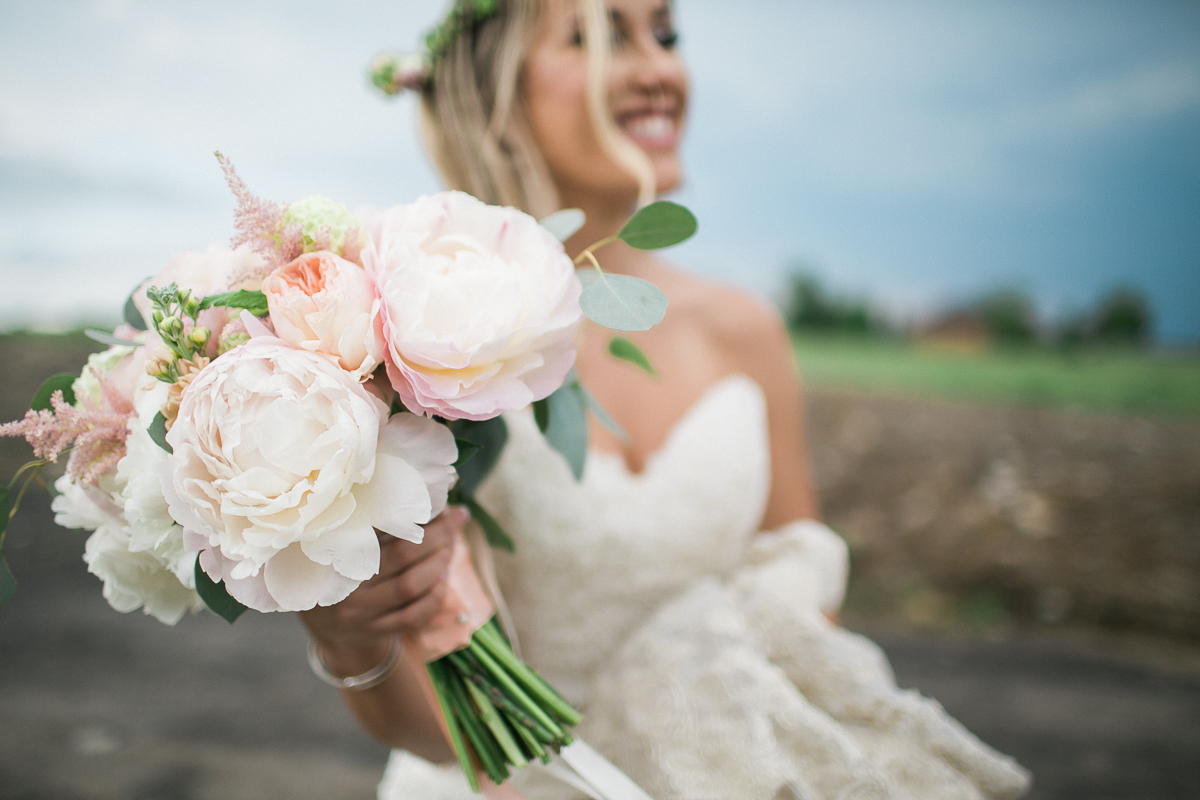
[{"x": 657, "y": 225}]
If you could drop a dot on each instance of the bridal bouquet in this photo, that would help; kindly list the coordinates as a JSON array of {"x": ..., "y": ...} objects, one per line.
[{"x": 265, "y": 409}]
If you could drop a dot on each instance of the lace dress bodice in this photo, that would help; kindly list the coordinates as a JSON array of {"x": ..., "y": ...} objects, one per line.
[
  {"x": 595, "y": 558},
  {"x": 696, "y": 646}
]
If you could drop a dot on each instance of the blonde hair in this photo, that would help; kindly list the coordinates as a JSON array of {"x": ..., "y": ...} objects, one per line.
[{"x": 475, "y": 128}]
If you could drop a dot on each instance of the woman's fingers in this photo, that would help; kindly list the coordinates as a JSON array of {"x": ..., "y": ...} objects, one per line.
[{"x": 415, "y": 615}]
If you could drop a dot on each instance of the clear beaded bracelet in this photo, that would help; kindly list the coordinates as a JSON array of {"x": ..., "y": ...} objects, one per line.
[{"x": 357, "y": 683}]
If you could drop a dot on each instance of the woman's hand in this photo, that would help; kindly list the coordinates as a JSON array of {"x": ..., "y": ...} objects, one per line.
[{"x": 354, "y": 635}]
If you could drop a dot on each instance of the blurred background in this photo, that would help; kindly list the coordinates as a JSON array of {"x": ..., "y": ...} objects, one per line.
[{"x": 981, "y": 221}]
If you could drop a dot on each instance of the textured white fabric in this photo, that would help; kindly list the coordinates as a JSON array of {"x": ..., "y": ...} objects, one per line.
[{"x": 697, "y": 650}]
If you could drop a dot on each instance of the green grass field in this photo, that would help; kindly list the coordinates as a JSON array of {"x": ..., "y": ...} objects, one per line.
[{"x": 1124, "y": 382}]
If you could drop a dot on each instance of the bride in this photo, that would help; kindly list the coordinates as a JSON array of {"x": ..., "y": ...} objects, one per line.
[{"x": 682, "y": 595}]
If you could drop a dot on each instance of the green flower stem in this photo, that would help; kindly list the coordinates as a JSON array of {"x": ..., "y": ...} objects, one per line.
[
  {"x": 437, "y": 676},
  {"x": 510, "y": 686},
  {"x": 542, "y": 690},
  {"x": 481, "y": 739},
  {"x": 494, "y": 723},
  {"x": 474, "y": 672},
  {"x": 533, "y": 747}
]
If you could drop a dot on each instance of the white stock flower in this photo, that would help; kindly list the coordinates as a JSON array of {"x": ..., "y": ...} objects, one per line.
[
  {"x": 480, "y": 305},
  {"x": 284, "y": 465},
  {"x": 135, "y": 550}
]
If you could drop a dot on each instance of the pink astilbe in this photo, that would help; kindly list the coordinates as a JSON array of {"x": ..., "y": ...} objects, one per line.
[
  {"x": 259, "y": 223},
  {"x": 98, "y": 436}
]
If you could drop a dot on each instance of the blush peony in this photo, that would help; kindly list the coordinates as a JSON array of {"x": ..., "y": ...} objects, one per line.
[
  {"x": 284, "y": 465},
  {"x": 480, "y": 305},
  {"x": 326, "y": 304}
]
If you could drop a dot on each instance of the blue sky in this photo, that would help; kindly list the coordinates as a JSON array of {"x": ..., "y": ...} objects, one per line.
[{"x": 915, "y": 153}]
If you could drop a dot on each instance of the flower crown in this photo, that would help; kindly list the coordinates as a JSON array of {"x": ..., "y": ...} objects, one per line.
[{"x": 393, "y": 73}]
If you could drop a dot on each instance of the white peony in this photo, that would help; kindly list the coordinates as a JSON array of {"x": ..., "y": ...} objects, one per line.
[
  {"x": 135, "y": 550},
  {"x": 480, "y": 305},
  {"x": 284, "y": 465}
]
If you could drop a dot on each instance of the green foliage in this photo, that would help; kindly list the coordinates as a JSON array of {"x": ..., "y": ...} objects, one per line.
[
  {"x": 1010, "y": 317},
  {"x": 62, "y": 382},
  {"x": 621, "y": 302},
  {"x": 158, "y": 432},
  {"x": 108, "y": 338},
  {"x": 657, "y": 225},
  {"x": 594, "y": 406},
  {"x": 466, "y": 450},
  {"x": 253, "y": 301},
  {"x": 492, "y": 530},
  {"x": 808, "y": 308},
  {"x": 1124, "y": 317},
  {"x": 567, "y": 432},
  {"x": 541, "y": 414},
  {"x": 133, "y": 317},
  {"x": 622, "y": 348},
  {"x": 490, "y": 435},
  {"x": 216, "y": 597}
]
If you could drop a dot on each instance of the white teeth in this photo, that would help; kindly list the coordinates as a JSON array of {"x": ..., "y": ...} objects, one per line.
[{"x": 650, "y": 127}]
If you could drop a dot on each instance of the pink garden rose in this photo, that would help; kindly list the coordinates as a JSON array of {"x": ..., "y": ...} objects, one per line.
[
  {"x": 480, "y": 305},
  {"x": 325, "y": 304},
  {"x": 283, "y": 466}
]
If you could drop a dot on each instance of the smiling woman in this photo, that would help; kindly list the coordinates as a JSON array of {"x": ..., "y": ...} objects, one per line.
[{"x": 682, "y": 594}]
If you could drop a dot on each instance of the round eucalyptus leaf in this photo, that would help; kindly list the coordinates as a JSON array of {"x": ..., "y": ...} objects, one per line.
[
  {"x": 622, "y": 302},
  {"x": 657, "y": 225},
  {"x": 563, "y": 224}
]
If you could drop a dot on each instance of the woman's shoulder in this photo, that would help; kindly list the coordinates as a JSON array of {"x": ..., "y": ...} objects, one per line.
[{"x": 739, "y": 325}]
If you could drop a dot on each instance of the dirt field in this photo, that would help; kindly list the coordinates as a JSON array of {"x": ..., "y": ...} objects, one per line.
[{"x": 983, "y": 514}]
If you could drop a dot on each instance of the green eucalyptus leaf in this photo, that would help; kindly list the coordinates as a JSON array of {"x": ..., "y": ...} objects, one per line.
[
  {"x": 660, "y": 224},
  {"x": 8, "y": 584},
  {"x": 491, "y": 436},
  {"x": 108, "y": 338},
  {"x": 605, "y": 418},
  {"x": 622, "y": 302},
  {"x": 466, "y": 450},
  {"x": 567, "y": 431},
  {"x": 253, "y": 301},
  {"x": 132, "y": 315},
  {"x": 496, "y": 537},
  {"x": 158, "y": 432},
  {"x": 216, "y": 597},
  {"x": 541, "y": 413},
  {"x": 622, "y": 348},
  {"x": 63, "y": 383},
  {"x": 563, "y": 224}
]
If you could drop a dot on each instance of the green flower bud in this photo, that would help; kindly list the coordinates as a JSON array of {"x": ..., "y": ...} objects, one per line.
[
  {"x": 324, "y": 224},
  {"x": 199, "y": 336},
  {"x": 231, "y": 341}
]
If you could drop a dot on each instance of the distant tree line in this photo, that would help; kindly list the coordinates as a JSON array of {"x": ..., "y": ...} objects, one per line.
[{"x": 1122, "y": 317}]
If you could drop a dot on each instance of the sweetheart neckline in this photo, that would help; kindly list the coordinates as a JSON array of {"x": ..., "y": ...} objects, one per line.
[{"x": 674, "y": 433}]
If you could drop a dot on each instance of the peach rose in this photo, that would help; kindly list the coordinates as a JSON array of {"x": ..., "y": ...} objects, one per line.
[{"x": 325, "y": 304}]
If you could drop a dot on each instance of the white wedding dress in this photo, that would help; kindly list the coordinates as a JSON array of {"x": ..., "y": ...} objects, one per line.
[{"x": 697, "y": 650}]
